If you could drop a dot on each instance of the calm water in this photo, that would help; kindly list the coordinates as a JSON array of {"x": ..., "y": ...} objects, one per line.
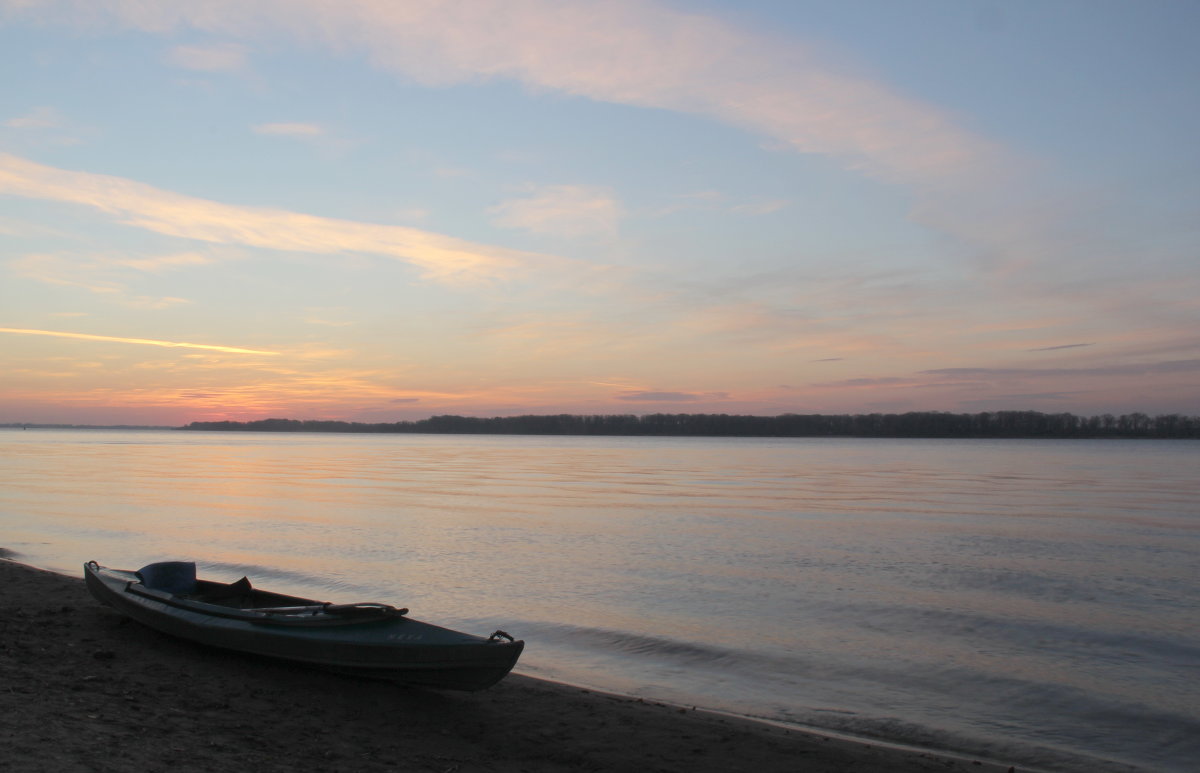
[{"x": 1031, "y": 601}]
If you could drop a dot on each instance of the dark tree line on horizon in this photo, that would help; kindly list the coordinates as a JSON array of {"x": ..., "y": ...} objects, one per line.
[{"x": 918, "y": 424}]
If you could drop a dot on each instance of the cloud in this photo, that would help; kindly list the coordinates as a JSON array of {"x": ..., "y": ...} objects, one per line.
[
  {"x": 714, "y": 201},
  {"x": 143, "y": 341},
  {"x": 650, "y": 54},
  {"x": 101, "y": 273},
  {"x": 290, "y": 129},
  {"x": 61, "y": 270},
  {"x": 1038, "y": 396},
  {"x": 561, "y": 210},
  {"x": 440, "y": 258},
  {"x": 630, "y": 52},
  {"x": 328, "y": 317},
  {"x": 159, "y": 263},
  {"x": 42, "y": 117},
  {"x": 976, "y": 379},
  {"x": 1131, "y": 369},
  {"x": 867, "y": 382},
  {"x": 1056, "y": 348},
  {"x": 670, "y": 397},
  {"x": 226, "y": 57},
  {"x": 762, "y": 207},
  {"x": 416, "y": 214},
  {"x": 988, "y": 199}
]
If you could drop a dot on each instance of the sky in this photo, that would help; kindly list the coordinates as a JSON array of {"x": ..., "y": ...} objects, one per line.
[{"x": 382, "y": 211}]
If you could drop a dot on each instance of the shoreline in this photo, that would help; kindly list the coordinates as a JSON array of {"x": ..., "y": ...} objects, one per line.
[{"x": 90, "y": 690}]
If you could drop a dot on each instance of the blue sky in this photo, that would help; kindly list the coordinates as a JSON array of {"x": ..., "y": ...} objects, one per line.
[{"x": 373, "y": 211}]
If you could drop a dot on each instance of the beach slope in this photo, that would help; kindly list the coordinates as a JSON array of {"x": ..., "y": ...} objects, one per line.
[{"x": 84, "y": 689}]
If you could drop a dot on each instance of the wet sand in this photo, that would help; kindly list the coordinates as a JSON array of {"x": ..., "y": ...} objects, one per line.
[{"x": 84, "y": 689}]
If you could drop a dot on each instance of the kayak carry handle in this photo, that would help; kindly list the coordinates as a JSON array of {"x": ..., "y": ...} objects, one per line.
[{"x": 500, "y": 635}]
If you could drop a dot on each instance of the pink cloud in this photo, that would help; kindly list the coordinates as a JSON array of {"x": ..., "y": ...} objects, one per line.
[
  {"x": 440, "y": 257},
  {"x": 625, "y": 51}
]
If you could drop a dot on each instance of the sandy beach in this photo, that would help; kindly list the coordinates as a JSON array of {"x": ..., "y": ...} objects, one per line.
[{"x": 84, "y": 689}]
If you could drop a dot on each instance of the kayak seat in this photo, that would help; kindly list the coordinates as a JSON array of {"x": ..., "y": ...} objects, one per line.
[
  {"x": 233, "y": 594},
  {"x": 177, "y": 577}
]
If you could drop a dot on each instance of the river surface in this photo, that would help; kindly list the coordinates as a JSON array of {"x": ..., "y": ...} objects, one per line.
[{"x": 1033, "y": 602}]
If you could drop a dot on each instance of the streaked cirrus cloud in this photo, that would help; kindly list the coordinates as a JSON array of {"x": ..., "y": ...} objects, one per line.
[
  {"x": 630, "y": 52},
  {"x": 41, "y": 117},
  {"x": 670, "y": 397},
  {"x": 642, "y": 53},
  {"x": 290, "y": 129},
  {"x": 561, "y": 210},
  {"x": 105, "y": 273},
  {"x": 1057, "y": 348},
  {"x": 141, "y": 341},
  {"x": 1126, "y": 369},
  {"x": 441, "y": 258}
]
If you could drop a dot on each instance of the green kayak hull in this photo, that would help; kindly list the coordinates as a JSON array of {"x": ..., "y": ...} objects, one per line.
[{"x": 373, "y": 640}]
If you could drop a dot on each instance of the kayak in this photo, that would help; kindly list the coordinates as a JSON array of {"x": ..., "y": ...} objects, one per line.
[{"x": 369, "y": 639}]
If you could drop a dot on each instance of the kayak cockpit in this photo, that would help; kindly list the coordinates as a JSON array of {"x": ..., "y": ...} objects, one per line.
[{"x": 175, "y": 583}]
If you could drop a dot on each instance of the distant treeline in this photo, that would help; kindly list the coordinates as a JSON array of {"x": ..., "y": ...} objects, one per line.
[{"x": 931, "y": 424}]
